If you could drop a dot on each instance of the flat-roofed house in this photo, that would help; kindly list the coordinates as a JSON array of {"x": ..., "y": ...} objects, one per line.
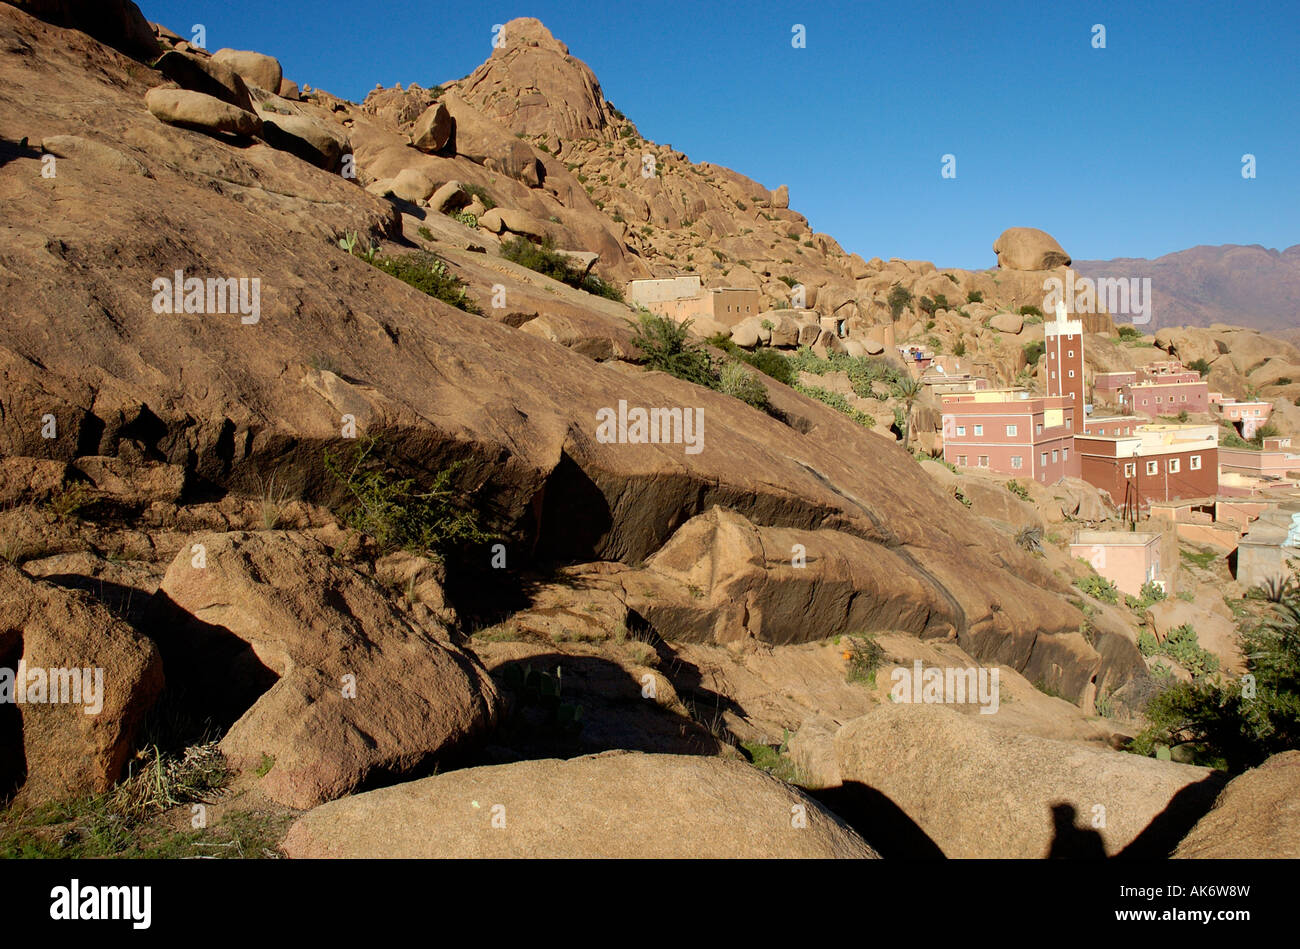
[
  {"x": 1011, "y": 431},
  {"x": 1129, "y": 559},
  {"x": 1155, "y": 463}
]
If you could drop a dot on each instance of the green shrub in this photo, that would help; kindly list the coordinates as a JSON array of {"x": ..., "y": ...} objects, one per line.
[
  {"x": 975, "y": 296},
  {"x": 926, "y": 306},
  {"x": 665, "y": 345},
  {"x": 770, "y": 363},
  {"x": 1128, "y": 332},
  {"x": 425, "y": 232},
  {"x": 941, "y": 302},
  {"x": 398, "y": 512},
  {"x": 1018, "y": 489},
  {"x": 545, "y": 259},
  {"x": 865, "y": 658},
  {"x": 1031, "y": 310},
  {"x": 1099, "y": 588},
  {"x": 837, "y": 402},
  {"x": 1200, "y": 365},
  {"x": 481, "y": 193},
  {"x": 741, "y": 382},
  {"x": 1034, "y": 351},
  {"x": 959, "y": 348},
  {"x": 900, "y": 298},
  {"x": 428, "y": 274},
  {"x": 466, "y": 218}
]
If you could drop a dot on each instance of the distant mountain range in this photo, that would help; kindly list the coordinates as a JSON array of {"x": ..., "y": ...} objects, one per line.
[{"x": 1242, "y": 285}]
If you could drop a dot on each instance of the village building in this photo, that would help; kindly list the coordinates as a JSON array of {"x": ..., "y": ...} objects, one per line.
[
  {"x": 1273, "y": 539},
  {"x": 1154, "y": 463},
  {"x": 1063, "y": 345},
  {"x": 684, "y": 298},
  {"x": 1248, "y": 417},
  {"x": 1011, "y": 431},
  {"x": 1165, "y": 397},
  {"x": 1129, "y": 559},
  {"x": 1107, "y": 386}
]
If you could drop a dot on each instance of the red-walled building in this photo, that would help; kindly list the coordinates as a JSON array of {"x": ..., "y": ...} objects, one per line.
[
  {"x": 1013, "y": 432},
  {"x": 1155, "y": 463},
  {"x": 1115, "y": 425}
]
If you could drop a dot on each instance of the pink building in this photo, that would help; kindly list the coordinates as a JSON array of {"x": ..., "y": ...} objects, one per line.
[
  {"x": 1153, "y": 399},
  {"x": 1013, "y": 432},
  {"x": 1276, "y": 460},
  {"x": 1250, "y": 416},
  {"x": 1128, "y": 559},
  {"x": 1106, "y": 386}
]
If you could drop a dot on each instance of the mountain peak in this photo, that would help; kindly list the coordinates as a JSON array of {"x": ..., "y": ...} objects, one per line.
[{"x": 532, "y": 86}]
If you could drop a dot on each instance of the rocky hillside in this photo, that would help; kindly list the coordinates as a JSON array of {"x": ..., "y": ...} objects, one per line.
[
  {"x": 1251, "y": 286},
  {"x": 357, "y": 470}
]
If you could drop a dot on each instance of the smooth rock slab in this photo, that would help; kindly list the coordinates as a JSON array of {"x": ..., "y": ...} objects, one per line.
[{"x": 616, "y": 804}]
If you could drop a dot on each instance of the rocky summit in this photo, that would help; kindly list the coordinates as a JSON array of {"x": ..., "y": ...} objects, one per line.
[{"x": 459, "y": 473}]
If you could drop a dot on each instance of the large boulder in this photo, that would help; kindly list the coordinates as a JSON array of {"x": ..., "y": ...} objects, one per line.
[
  {"x": 88, "y": 681},
  {"x": 256, "y": 68},
  {"x": 616, "y": 804},
  {"x": 201, "y": 112},
  {"x": 320, "y": 143},
  {"x": 342, "y": 683},
  {"x": 206, "y": 75},
  {"x": 1028, "y": 248},
  {"x": 1257, "y": 817},
  {"x": 432, "y": 129},
  {"x": 118, "y": 23},
  {"x": 979, "y": 791},
  {"x": 485, "y": 143}
]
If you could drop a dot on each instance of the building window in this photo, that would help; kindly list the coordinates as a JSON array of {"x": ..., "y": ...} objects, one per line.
[
  {"x": 1196, "y": 462},
  {"x": 961, "y": 431},
  {"x": 1056, "y": 456},
  {"x": 1053, "y": 373},
  {"x": 1065, "y": 454},
  {"x": 1158, "y": 400},
  {"x": 1071, "y": 373},
  {"x": 1153, "y": 467},
  {"x": 1173, "y": 466},
  {"x": 1130, "y": 470},
  {"x": 1042, "y": 459},
  {"x": 979, "y": 429},
  {"x": 1012, "y": 430},
  {"x": 1017, "y": 461},
  {"x": 961, "y": 460},
  {"x": 984, "y": 461},
  {"x": 1072, "y": 354},
  {"x": 1040, "y": 428}
]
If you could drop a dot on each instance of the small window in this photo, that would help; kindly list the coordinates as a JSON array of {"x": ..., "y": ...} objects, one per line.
[
  {"x": 1072, "y": 354},
  {"x": 1065, "y": 454},
  {"x": 979, "y": 429},
  {"x": 1056, "y": 456},
  {"x": 1196, "y": 462},
  {"x": 961, "y": 460},
  {"x": 1130, "y": 470},
  {"x": 961, "y": 431},
  {"x": 1153, "y": 467},
  {"x": 984, "y": 461},
  {"x": 1053, "y": 373},
  {"x": 1071, "y": 373},
  {"x": 1042, "y": 459},
  {"x": 1017, "y": 461},
  {"x": 1012, "y": 430},
  {"x": 1173, "y": 466},
  {"x": 1040, "y": 428}
]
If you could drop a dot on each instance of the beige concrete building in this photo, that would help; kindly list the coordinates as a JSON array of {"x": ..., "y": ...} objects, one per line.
[
  {"x": 1128, "y": 559},
  {"x": 684, "y": 298}
]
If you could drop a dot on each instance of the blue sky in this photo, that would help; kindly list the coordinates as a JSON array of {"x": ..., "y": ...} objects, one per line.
[{"x": 1134, "y": 150}]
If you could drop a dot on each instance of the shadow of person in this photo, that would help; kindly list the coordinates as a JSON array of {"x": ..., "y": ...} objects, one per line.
[{"x": 1070, "y": 842}]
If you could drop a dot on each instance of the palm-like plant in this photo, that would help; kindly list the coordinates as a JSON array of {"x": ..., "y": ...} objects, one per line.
[{"x": 907, "y": 389}]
